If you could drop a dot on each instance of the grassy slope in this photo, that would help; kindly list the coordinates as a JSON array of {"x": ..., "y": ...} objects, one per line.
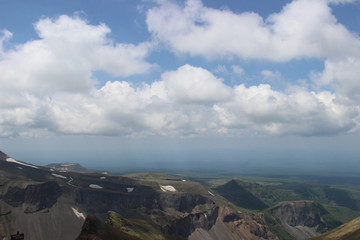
[
  {"x": 235, "y": 192},
  {"x": 348, "y": 231}
]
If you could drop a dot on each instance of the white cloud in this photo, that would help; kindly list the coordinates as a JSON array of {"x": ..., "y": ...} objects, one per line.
[
  {"x": 304, "y": 28},
  {"x": 66, "y": 55},
  {"x": 186, "y": 102},
  {"x": 238, "y": 70},
  {"x": 271, "y": 75},
  {"x": 61, "y": 62},
  {"x": 300, "y": 112},
  {"x": 343, "y": 76},
  {"x": 5, "y": 35},
  {"x": 48, "y": 84},
  {"x": 120, "y": 109},
  {"x": 189, "y": 84}
]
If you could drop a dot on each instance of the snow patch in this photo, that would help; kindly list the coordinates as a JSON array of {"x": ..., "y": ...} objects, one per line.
[
  {"x": 183, "y": 180},
  {"x": 102, "y": 178},
  {"x": 20, "y": 168},
  {"x": 67, "y": 164},
  {"x": 167, "y": 188},
  {"x": 130, "y": 189},
  {"x": 78, "y": 214},
  {"x": 95, "y": 186},
  {"x": 52, "y": 170},
  {"x": 59, "y": 176},
  {"x": 21, "y": 163},
  {"x": 211, "y": 193}
]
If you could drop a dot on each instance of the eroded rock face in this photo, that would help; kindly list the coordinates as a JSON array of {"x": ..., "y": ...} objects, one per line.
[
  {"x": 38, "y": 196},
  {"x": 182, "y": 202},
  {"x": 303, "y": 219},
  {"x": 303, "y": 213},
  {"x": 92, "y": 229},
  {"x": 186, "y": 224},
  {"x": 95, "y": 202},
  {"x": 249, "y": 225}
]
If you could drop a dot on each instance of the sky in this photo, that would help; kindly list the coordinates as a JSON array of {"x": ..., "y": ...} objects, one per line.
[{"x": 128, "y": 84}]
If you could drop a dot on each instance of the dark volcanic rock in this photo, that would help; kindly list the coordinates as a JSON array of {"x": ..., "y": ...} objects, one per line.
[
  {"x": 41, "y": 196},
  {"x": 183, "y": 202},
  {"x": 187, "y": 224},
  {"x": 98, "y": 202},
  {"x": 249, "y": 225},
  {"x": 94, "y": 229},
  {"x": 3, "y": 156}
]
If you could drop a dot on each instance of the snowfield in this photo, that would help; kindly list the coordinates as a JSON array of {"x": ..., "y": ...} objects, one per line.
[
  {"x": 211, "y": 193},
  {"x": 21, "y": 163},
  {"x": 167, "y": 188},
  {"x": 95, "y": 186},
  {"x": 67, "y": 164},
  {"x": 59, "y": 176},
  {"x": 130, "y": 189},
  {"x": 78, "y": 214}
]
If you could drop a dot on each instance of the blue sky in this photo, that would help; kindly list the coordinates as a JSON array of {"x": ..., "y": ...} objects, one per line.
[{"x": 135, "y": 82}]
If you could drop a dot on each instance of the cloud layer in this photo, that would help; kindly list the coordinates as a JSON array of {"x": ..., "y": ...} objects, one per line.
[
  {"x": 304, "y": 28},
  {"x": 49, "y": 84}
]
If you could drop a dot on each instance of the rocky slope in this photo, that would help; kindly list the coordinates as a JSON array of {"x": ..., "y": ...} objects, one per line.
[{"x": 302, "y": 219}]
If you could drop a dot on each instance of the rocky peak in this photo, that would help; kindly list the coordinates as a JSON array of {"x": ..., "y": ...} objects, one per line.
[{"x": 3, "y": 156}]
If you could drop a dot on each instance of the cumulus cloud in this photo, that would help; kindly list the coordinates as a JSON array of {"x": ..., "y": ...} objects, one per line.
[
  {"x": 121, "y": 109},
  {"x": 48, "y": 84},
  {"x": 62, "y": 60},
  {"x": 304, "y": 28},
  {"x": 189, "y": 84},
  {"x": 343, "y": 76},
  {"x": 66, "y": 55},
  {"x": 180, "y": 105},
  {"x": 300, "y": 112}
]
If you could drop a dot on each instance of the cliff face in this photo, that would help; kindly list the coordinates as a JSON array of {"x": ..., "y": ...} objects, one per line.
[
  {"x": 38, "y": 197},
  {"x": 302, "y": 219},
  {"x": 249, "y": 225},
  {"x": 94, "y": 202},
  {"x": 175, "y": 213},
  {"x": 304, "y": 213},
  {"x": 186, "y": 224}
]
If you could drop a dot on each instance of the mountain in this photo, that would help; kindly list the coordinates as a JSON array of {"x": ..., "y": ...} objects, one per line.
[
  {"x": 348, "y": 231},
  {"x": 235, "y": 191},
  {"x": 47, "y": 203},
  {"x": 54, "y": 203},
  {"x": 70, "y": 167}
]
